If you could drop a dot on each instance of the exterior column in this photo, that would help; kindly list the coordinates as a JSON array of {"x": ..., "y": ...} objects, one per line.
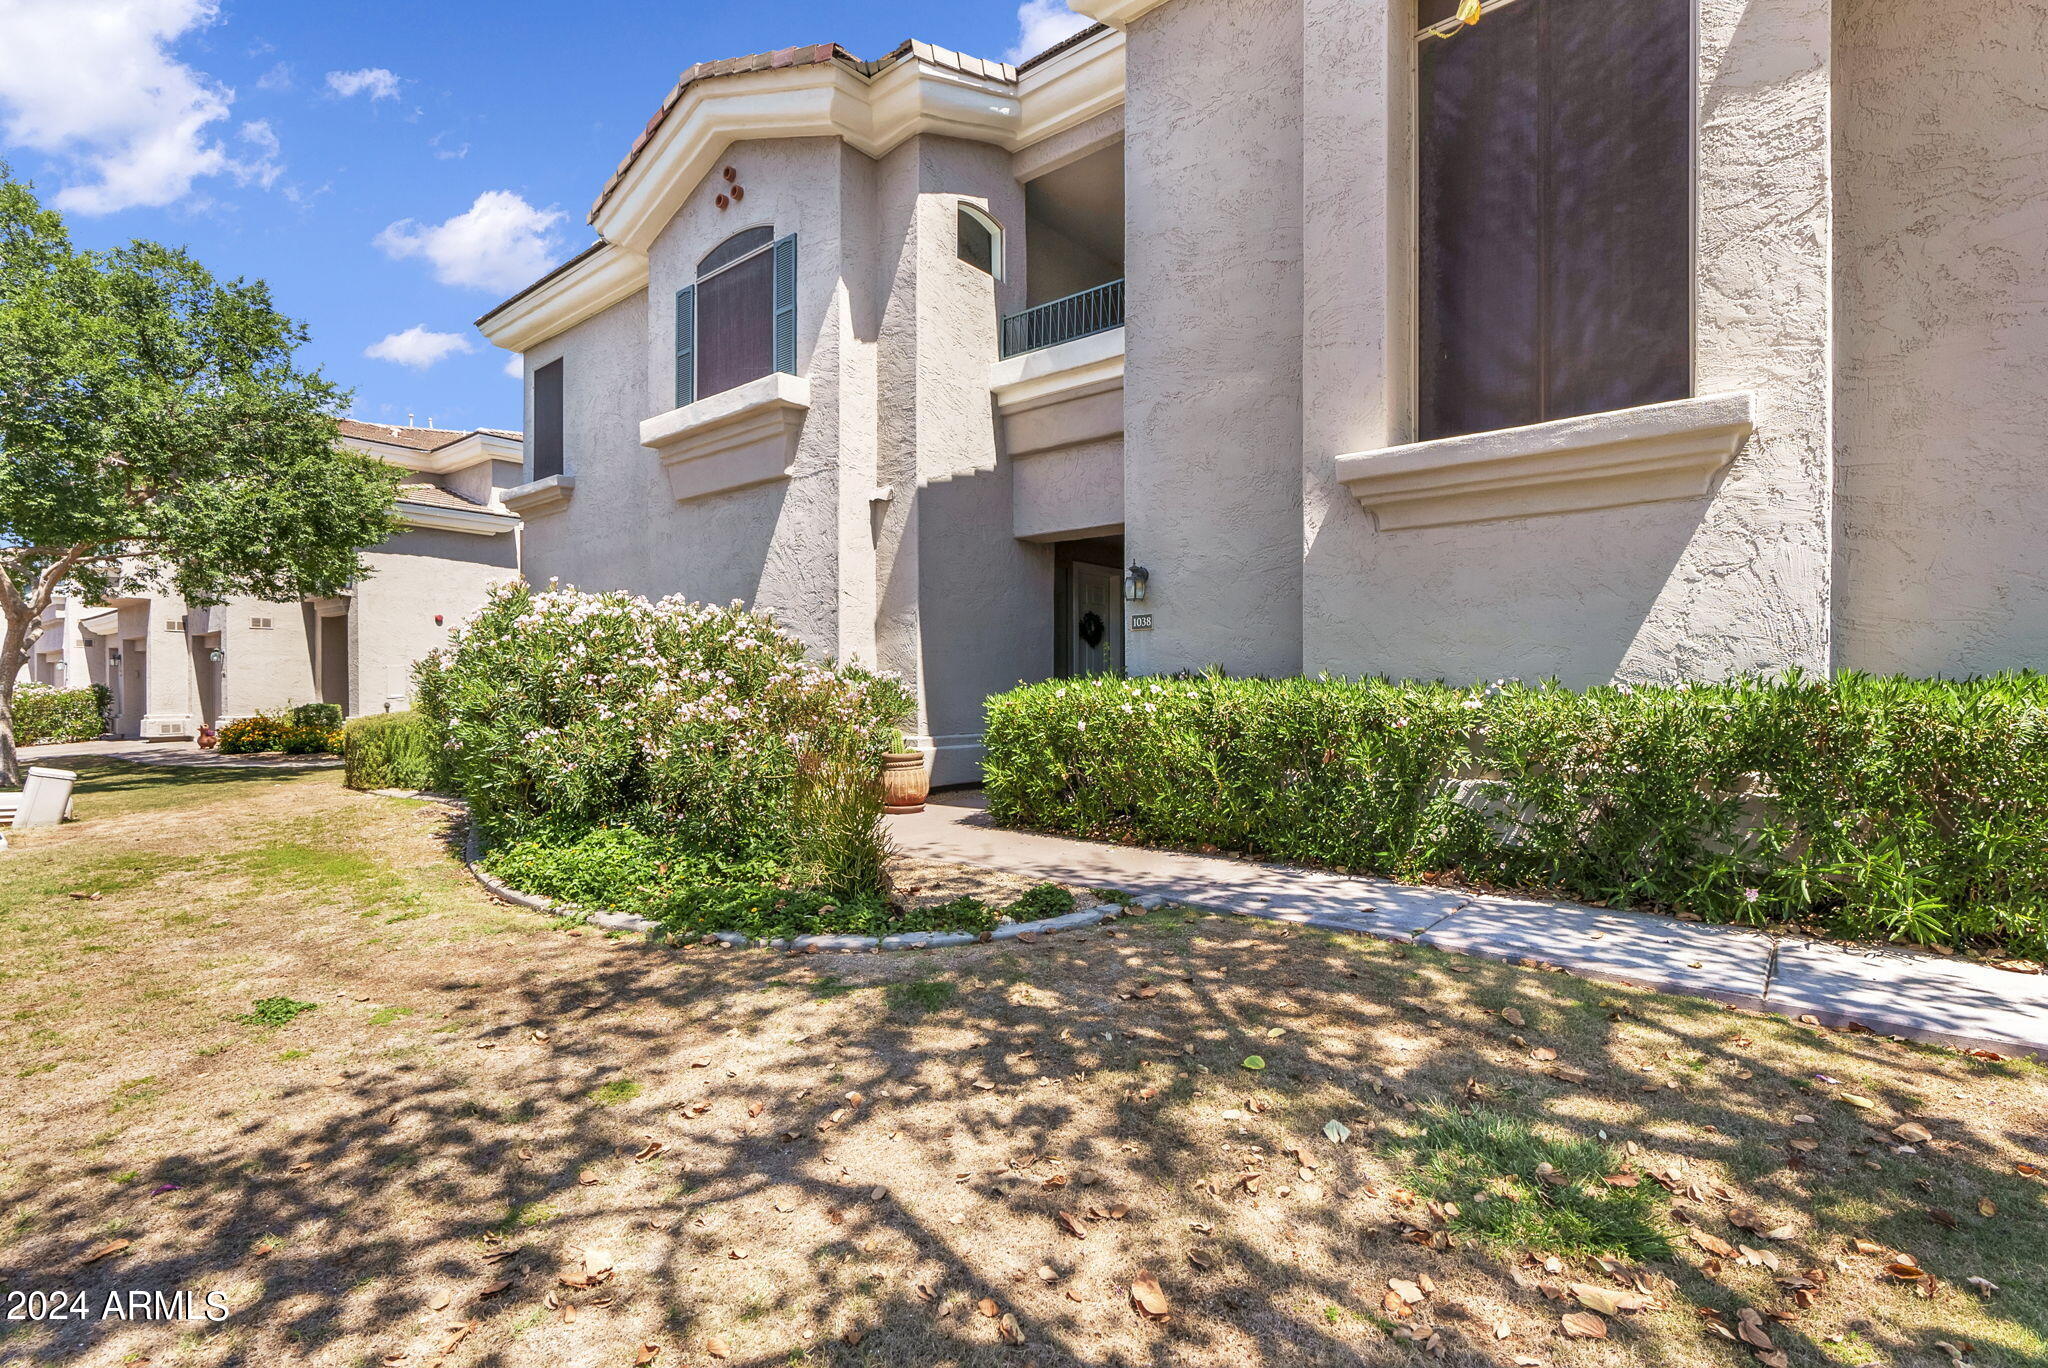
[{"x": 1356, "y": 246}]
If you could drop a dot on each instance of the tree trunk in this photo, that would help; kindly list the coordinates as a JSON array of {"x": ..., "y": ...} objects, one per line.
[{"x": 13, "y": 655}]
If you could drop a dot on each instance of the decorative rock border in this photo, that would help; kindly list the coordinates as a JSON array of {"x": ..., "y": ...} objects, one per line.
[{"x": 915, "y": 940}]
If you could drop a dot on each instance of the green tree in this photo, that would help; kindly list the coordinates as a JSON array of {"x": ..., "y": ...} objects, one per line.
[{"x": 157, "y": 436}]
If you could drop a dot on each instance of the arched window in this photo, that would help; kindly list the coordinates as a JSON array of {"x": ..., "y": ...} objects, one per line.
[
  {"x": 981, "y": 241},
  {"x": 738, "y": 321}
]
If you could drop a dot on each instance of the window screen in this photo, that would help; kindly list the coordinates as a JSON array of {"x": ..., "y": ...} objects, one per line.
[
  {"x": 1555, "y": 212},
  {"x": 547, "y": 420},
  {"x": 738, "y": 322}
]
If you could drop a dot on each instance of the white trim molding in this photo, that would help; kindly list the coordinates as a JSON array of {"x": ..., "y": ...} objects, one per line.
[
  {"x": 540, "y": 496},
  {"x": 579, "y": 290},
  {"x": 1120, "y": 14},
  {"x": 919, "y": 95},
  {"x": 1069, "y": 371},
  {"x": 481, "y": 522},
  {"x": 744, "y": 437},
  {"x": 1602, "y": 460}
]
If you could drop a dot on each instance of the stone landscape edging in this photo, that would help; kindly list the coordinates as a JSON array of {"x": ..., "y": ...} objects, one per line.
[{"x": 472, "y": 858}]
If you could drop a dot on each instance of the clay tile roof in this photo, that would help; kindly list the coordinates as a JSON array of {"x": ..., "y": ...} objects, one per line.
[
  {"x": 411, "y": 438},
  {"x": 433, "y": 496},
  {"x": 818, "y": 54},
  {"x": 416, "y": 438}
]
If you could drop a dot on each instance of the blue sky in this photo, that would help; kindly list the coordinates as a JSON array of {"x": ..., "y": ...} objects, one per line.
[{"x": 392, "y": 169}]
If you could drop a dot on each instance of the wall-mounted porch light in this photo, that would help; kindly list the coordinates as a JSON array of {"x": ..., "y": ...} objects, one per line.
[{"x": 1137, "y": 582}]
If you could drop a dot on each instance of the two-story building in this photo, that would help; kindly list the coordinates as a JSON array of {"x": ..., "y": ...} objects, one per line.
[
  {"x": 1671, "y": 339},
  {"x": 174, "y": 667}
]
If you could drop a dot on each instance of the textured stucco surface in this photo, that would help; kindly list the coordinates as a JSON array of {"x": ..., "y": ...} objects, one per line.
[
  {"x": 1941, "y": 142},
  {"x": 1687, "y": 589},
  {"x": 891, "y": 541},
  {"x": 1212, "y": 479}
]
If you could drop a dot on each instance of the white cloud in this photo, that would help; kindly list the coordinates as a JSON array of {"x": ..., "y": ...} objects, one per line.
[
  {"x": 417, "y": 347},
  {"x": 94, "y": 81},
  {"x": 500, "y": 243},
  {"x": 375, "y": 82},
  {"x": 278, "y": 79},
  {"x": 515, "y": 366},
  {"x": 445, "y": 147},
  {"x": 1041, "y": 23},
  {"x": 266, "y": 167}
]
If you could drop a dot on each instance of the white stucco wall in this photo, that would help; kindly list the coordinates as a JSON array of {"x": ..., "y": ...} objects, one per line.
[
  {"x": 416, "y": 577},
  {"x": 1212, "y": 480},
  {"x": 1941, "y": 140}
]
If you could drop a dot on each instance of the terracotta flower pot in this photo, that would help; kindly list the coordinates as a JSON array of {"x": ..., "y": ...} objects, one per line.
[{"x": 905, "y": 783}]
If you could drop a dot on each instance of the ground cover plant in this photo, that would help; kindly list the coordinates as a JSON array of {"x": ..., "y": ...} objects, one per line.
[
  {"x": 398, "y": 750},
  {"x": 553, "y": 1147},
  {"x": 1878, "y": 808},
  {"x": 690, "y": 762},
  {"x": 43, "y": 715}
]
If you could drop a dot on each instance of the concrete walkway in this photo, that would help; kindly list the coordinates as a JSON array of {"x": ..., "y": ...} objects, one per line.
[
  {"x": 1886, "y": 988},
  {"x": 185, "y": 753}
]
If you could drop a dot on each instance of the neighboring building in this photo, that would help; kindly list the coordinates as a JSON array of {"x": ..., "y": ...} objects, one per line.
[
  {"x": 173, "y": 667},
  {"x": 1660, "y": 340}
]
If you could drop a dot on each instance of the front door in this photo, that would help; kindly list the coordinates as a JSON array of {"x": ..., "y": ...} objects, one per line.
[{"x": 1097, "y": 619}]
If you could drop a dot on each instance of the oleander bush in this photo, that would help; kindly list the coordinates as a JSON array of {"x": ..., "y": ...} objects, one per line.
[
  {"x": 1888, "y": 808},
  {"x": 671, "y": 758},
  {"x": 398, "y": 750},
  {"x": 316, "y": 715},
  {"x": 266, "y": 733},
  {"x": 46, "y": 716}
]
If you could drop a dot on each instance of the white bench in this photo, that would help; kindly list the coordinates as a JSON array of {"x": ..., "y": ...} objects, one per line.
[{"x": 44, "y": 800}]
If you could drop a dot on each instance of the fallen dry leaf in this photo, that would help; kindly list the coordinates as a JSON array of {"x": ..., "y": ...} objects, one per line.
[
  {"x": 1149, "y": 1298},
  {"x": 717, "y": 1348},
  {"x": 1584, "y": 1325},
  {"x": 1913, "y": 1133},
  {"x": 1608, "y": 1301}
]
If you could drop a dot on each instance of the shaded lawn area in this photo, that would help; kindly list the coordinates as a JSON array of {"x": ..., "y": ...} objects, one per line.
[{"x": 479, "y": 1137}]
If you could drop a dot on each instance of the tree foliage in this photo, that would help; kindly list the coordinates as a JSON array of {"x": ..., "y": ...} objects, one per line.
[{"x": 157, "y": 435}]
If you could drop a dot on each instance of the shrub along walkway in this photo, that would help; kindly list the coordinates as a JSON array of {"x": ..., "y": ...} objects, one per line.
[{"x": 1885, "y": 988}]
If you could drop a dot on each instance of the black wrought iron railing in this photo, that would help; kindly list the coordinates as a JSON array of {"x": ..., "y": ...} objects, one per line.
[{"x": 1063, "y": 320}]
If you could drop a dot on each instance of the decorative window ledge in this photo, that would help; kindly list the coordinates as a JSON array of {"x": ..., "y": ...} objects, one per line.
[
  {"x": 542, "y": 496},
  {"x": 1602, "y": 460},
  {"x": 735, "y": 440}
]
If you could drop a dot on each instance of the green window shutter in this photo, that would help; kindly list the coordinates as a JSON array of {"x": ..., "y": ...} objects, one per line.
[
  {"x": 785, "y": 305},
  {"x": 686, "y": 346}
]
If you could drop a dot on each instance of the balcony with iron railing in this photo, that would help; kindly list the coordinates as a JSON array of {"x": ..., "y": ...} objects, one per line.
[{"x": 1091, "y": 311}]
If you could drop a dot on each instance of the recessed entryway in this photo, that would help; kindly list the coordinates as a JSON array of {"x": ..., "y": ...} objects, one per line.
[{"x": 1088, "y": 607}]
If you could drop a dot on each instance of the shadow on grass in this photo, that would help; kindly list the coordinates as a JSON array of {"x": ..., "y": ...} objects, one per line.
[{"x": 1363, "y": 1034}]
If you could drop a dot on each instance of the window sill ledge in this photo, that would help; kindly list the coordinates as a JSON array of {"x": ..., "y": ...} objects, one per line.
[
  {"x": 542, "y": 496},
  {"x": 1602, "y": 460},
  {"x": 735, "y": 440}
]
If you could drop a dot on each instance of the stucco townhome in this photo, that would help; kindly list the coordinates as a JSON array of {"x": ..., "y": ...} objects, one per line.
[
  {"x": 174, "y": 667},
  {"x": 1660, "y": 340}
]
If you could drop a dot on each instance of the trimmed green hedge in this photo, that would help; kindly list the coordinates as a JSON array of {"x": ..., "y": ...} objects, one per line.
[
  {"x": 1874, "y": 807},
  {"x": 45, "y": 716},
  {"x": 400, "y": 750}
]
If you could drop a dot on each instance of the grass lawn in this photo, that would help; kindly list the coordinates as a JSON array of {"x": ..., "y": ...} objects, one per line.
[{"x": 284, "y": 1051}]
